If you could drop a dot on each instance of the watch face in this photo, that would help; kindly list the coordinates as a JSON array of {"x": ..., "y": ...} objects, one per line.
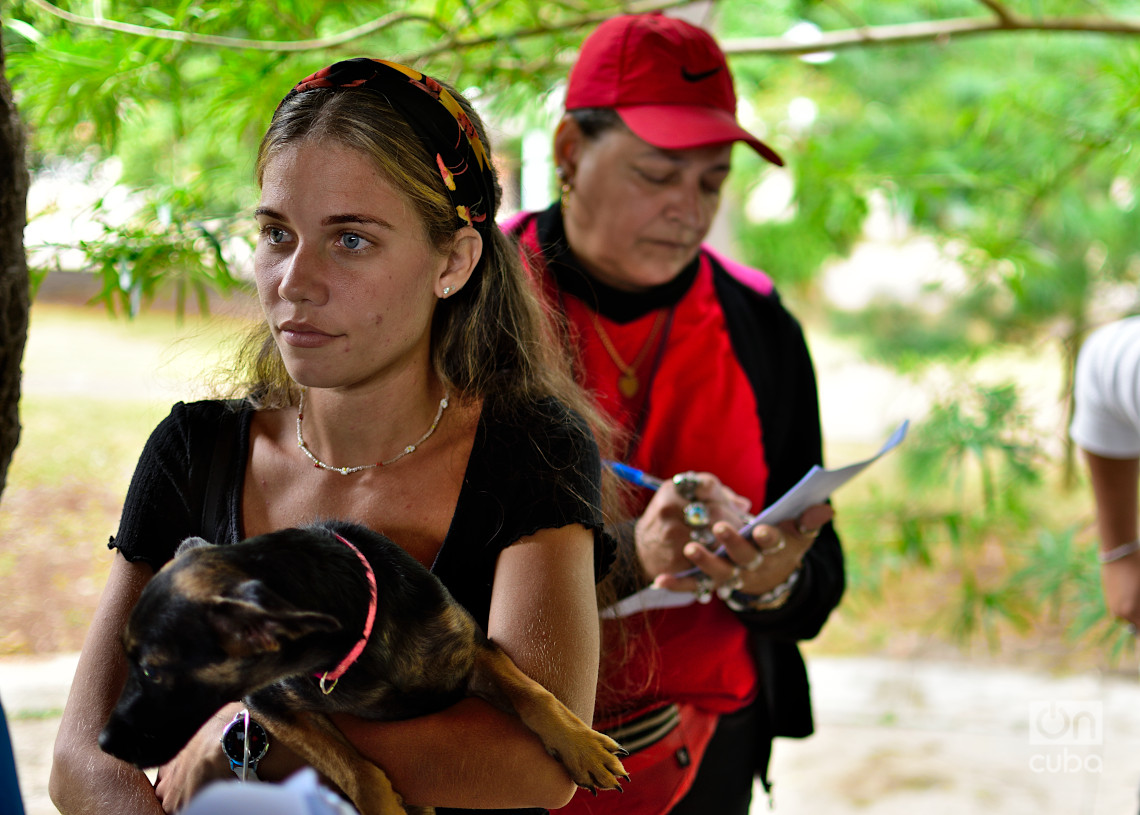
[{"x": 234, "y": 738}]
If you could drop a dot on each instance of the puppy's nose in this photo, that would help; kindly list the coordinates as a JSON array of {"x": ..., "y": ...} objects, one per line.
[{"x": 116, "y": 741}]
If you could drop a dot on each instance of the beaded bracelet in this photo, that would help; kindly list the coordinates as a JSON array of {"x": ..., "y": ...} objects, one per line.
[
  {"x": 1119, "y": 552},
  {"x": 771, "y": 599}
]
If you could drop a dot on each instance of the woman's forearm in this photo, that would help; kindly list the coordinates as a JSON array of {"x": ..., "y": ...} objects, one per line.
[
  {"x": 90, "y": 782},
  {"x": 470, "y": 755},
  {"x": 85, "y": 780}
]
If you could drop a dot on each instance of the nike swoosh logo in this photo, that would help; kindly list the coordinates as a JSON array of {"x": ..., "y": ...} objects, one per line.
[{"x": 689, "y": 76}]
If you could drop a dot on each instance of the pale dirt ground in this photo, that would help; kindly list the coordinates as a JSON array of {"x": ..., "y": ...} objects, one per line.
[{"x": 893, "y": 737}]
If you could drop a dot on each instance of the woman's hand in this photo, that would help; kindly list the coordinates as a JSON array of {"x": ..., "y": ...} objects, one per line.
[
  {"x": 751, "y": 566},
  {"x": 200, "y": 762},
  {"x": 661, "y": 532}
]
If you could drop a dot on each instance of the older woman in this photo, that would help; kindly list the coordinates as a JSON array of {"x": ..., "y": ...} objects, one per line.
[{"x": 696, "y": 358}]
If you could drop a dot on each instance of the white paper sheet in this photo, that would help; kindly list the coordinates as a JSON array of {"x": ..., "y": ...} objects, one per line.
[{"x": 814, "y": 488}]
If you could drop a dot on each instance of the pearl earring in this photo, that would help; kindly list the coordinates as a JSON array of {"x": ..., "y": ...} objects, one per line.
[{"x": 446, "y": 290}]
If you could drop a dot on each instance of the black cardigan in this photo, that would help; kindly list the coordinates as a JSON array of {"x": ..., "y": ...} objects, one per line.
[{"x": 770, "y": 346}]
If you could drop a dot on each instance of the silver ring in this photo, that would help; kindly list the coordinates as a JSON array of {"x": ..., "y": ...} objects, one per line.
[
  {"x": 779, "y": 547},
  {"x": 704, "y": 588},
  {"x": 686, "y": 485},
  {"x": 810, "y": 534},
  {"x": 754, "y": 564},
  {"x": 704, "y": 536},
  {"x": 733, "y": 584}
]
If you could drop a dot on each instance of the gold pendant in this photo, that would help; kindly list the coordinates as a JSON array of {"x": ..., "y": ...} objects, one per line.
[{"x": 628, "y": 385}]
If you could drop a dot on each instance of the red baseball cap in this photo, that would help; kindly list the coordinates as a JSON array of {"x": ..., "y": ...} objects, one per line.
[{"x": 667, "y": 79}]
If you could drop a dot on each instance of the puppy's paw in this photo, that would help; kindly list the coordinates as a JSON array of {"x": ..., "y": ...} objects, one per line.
[
  {"x": 371, "y": 792},
  {"x": 590, "y": 757}
]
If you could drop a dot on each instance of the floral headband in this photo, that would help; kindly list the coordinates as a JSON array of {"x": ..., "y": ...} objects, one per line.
[{"x": 437, "y": 119}]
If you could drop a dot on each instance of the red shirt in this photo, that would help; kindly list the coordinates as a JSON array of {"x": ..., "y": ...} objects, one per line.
[{"x": 693, "y": 409}]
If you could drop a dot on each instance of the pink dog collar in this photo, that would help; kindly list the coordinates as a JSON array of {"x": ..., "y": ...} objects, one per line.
[{"x": 336, "y": 673}]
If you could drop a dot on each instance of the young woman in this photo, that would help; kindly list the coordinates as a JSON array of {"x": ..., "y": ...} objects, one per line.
[{"x": 404, "y": 378}]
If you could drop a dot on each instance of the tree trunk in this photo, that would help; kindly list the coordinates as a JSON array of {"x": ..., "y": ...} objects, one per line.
[
  {"x": 14, "y": 301},
  {"x": 1071, "y": 348}
]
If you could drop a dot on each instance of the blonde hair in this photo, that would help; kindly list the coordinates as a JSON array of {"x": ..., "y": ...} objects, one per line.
[
  {"x": 494, "y": 339},
  {"x": 490, "y": 339}
]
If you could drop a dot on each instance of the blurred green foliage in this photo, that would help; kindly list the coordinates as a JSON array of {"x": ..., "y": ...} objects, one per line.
[{"x": 993, "y": 543}]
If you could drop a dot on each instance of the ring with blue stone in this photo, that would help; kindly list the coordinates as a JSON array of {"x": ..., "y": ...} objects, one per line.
[{"x": 696, "y": 514}]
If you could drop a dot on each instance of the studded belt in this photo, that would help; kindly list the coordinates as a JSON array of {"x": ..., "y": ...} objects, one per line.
[{"x": 647, "y": 729}]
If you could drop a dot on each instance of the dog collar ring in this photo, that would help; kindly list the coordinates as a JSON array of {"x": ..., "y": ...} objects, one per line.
[{"x": 329, "y": 679}]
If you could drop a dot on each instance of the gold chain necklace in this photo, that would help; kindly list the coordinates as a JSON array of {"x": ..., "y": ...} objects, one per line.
[
  {"x": 628, "y": 383},
  {"x": 411, "y": 448}
]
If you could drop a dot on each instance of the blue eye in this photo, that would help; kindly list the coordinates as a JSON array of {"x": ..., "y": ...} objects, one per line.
[
  {"x": 274, "y": 234},
  {"x": 351, "y": 241}
]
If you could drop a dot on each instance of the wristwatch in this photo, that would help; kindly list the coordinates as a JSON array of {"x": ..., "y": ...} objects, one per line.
[{"x": 245, "y": 743}]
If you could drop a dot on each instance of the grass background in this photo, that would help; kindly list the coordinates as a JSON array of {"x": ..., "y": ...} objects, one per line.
[{"x": 93, "y": 389}]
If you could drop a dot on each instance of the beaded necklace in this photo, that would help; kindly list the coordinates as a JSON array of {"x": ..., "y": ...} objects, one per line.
[{"x": 411, "y": 448}]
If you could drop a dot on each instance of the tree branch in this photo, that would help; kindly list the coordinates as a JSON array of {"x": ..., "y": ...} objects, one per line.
[
  {"x": 456, "y": 44},
  {"x": 999, "y": 10},
  {"x": 1002, "y": 21},
  {"x": 448, "y": 44},
  {"x": 238, "y": 42}
]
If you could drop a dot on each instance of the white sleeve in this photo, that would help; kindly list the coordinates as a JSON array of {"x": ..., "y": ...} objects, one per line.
[{"x": 1106, "y": 417}]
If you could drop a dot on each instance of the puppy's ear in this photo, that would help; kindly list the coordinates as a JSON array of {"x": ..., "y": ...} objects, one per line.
[
  {"x": 191, "y": 543},
  {"x": 254, "y": 619}
]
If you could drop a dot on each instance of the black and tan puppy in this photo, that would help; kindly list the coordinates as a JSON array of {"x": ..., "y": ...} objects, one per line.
[{"x": 261, "y": 619}]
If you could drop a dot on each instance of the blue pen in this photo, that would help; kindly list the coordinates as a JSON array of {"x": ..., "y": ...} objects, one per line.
[
  {"x": 652, "y": 482},
  {"x": 635, "y": 476}
]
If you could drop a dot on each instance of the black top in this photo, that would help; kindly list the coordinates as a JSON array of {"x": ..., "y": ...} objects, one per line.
[{"x": 541, "y": 471}]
